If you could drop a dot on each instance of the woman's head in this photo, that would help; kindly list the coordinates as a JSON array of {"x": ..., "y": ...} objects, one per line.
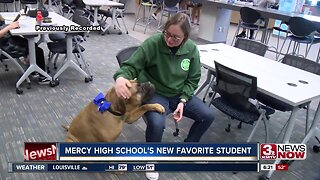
[{"x": 176, "y": 30}]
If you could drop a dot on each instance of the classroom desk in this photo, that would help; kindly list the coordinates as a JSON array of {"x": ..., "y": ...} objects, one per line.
[
  {"x": 215, "y": 19},
  {"x": 27, "y": 30},
  {"x": 271, "y": 79},
  {"x": 96, "y": 4}
]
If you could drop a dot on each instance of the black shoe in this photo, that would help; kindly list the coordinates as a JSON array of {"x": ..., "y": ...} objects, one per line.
[
  {"x": 241, "y": 35},
  {"x": 43, "y": 80}
]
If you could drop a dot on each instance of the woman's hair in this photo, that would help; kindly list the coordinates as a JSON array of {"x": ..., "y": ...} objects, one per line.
[{"x": 183, "y": 21}]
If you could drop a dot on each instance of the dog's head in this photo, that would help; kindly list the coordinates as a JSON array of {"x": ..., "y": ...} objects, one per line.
[{"x": 140, "y": 93}]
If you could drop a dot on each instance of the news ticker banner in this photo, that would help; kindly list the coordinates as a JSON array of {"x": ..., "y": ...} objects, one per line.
[
  {"x": 106, "y": 167},
  {"x": 162, "y": 152},
  {"x": 140, "y": 152}
]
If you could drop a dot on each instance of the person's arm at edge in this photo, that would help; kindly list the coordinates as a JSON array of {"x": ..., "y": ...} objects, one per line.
[{"x": 11, "y": 26}]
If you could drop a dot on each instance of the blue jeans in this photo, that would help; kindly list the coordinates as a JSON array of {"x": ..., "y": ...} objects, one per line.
[{"x": 195, "y": 109}]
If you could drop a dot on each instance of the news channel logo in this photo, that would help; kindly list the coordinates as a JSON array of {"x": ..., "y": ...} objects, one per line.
[{"x": 283, "y": 151}]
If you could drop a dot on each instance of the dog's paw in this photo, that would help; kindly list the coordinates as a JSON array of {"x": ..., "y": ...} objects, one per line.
[{"x": 159, "y": 108}]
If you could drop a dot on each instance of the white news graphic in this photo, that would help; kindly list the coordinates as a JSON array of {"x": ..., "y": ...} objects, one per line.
[
  {"x": 122, "y": 167},
  {"x": 150, "y": 167},
  {"x": 267, "y": 167},
  {"x": 283, "y": 151}
]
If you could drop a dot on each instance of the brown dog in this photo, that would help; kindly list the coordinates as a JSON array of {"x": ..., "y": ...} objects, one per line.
[{"x": 90, "y": 125}]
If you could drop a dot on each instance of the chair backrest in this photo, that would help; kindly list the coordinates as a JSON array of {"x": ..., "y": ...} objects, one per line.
[
  {"x": 125, "y": 54},
  {"x": 6, "y": 1},
  {"x": 170, "y": 3},
  {"x": 79, "y": 18},
  {"x": 249, "y": 15},
  {"x": 301, "y": 27},
  {"x": 302, "y": 63},
  {"x": 234, "y": 86},
  {"x": 252, "y": 46},
  {"x": 29, "y": 1},
  {"x": 67, "y": 2}
]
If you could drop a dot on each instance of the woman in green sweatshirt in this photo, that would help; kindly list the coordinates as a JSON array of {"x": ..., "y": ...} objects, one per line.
[{"x": 169, "y": 60}]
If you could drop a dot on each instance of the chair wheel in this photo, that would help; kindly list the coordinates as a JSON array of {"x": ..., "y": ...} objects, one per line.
[
  {"x": 19, "y": 91},
  {"x": 204, "y": 100},
  {"x": 87, "y": 79},
  {"x": 54, "y": 83},
  {"x": 239, "y": 125},
  {"x": 29, "y": 86},
  {"x": 176, "y": 133},
  {"x": 119, "y": 33},
  {"x": 210, "y": 94},
  {"x": 227, "y": 129},
  {"x": 316, "y": 149},
  {"x": 127, "y": 32}
]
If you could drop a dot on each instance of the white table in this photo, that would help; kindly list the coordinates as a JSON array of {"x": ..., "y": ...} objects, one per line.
[
  {"x": 27, "y": 29},
  {"x": 215, "y": 19},
  {"x": 96, "y": 4},
  {"x": 272, "y": 78}
]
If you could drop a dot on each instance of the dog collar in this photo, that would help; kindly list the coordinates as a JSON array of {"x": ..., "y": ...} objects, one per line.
[
  {"x": 104, "y": 105},
  {"x": 101, "y": 102}
]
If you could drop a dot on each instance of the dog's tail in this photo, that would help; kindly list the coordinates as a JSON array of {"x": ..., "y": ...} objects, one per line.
[{"x": 66, "y": 127}]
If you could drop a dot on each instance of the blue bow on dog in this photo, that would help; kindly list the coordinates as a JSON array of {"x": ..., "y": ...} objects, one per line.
[{"x": 101, "y": 102}]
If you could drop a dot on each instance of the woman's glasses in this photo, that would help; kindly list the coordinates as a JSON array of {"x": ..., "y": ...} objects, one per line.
[{"x": 173, "y": 37}]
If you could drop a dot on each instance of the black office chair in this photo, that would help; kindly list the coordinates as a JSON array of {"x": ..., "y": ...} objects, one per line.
[
  {"x": 248, "y": 19},
  {"x": 252, "y": 46},
  {"x": 270, "y": 101},
  {"x": 105, "y": 14},
  {"x": 59, "y": 47},
  {"x": 5, "y": 4},
  {"x": 13, "y": 56},
  {"x": 236, "y": 89},
  {"x": 249, "y": 45},
  {"x": 169, "y": 7},
  {"x": 306, "y": 65},
  {"x": 25, "y": 2},
  {"x": 146, "y": 7},
  {"x": 300, "y": 31},
  {"x": 123, "y": 56},
  {"x": 281, "y": 30},
  {"x": 67, "y": 8}
]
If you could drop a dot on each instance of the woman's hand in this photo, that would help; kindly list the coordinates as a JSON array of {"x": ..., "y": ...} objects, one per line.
[
  {"x": 14, "y": 25},
  {"x": 177, "y": 114},
  {"x": 121, "y": 87}
]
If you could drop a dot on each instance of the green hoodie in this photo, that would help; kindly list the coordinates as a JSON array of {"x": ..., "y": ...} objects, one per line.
[{"x": 172, "y": 74}]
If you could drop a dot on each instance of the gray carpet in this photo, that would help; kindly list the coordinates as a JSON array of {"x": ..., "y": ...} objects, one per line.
[{"x": 37, "y": 116}]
